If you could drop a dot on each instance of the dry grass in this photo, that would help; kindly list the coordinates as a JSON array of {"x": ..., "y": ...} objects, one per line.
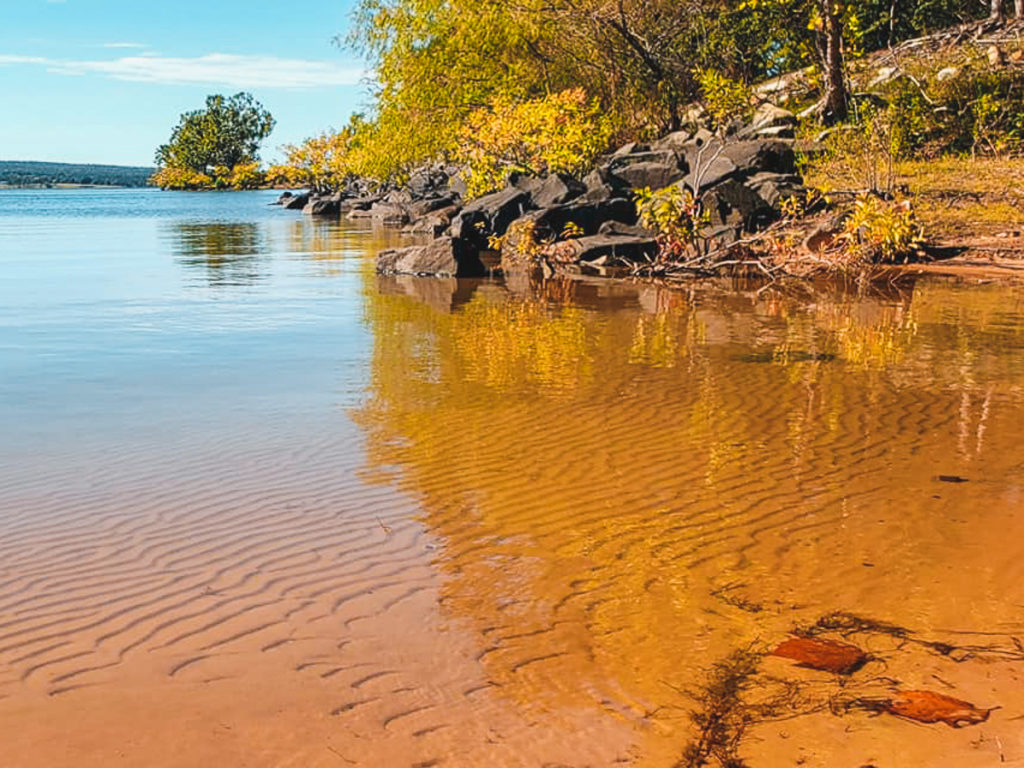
[
  {"x": 963, "y": 197},
  {"x": 955, "y": 198}
]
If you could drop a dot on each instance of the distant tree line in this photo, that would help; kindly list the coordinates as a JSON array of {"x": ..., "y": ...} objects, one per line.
[{"x": 17, "y": 173}]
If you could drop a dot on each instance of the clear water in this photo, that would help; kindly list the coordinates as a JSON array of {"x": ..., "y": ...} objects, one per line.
[{"x": 259, "y": 506}]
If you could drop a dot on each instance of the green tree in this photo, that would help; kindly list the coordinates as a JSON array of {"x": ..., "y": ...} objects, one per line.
[{"x": 227, "y": 133}]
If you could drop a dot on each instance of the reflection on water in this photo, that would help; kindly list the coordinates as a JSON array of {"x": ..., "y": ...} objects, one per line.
[
  {"x": 228, "y": 254},
  {"x": 632, "y": 482}
]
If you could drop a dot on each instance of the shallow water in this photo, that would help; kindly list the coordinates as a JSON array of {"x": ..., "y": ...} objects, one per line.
[{"x": 259, "y": 506}]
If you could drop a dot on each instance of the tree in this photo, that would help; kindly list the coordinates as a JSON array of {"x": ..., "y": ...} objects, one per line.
[{"x": 227, "y": 133}]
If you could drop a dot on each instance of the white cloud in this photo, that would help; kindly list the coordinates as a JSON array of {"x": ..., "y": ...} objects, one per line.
[
  {"x": 124, "y": 45},
  {"x": 211, "y": 69}
]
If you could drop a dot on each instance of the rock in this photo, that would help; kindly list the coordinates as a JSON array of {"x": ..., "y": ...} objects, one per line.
[
  {"x": 652, "y": 175},
  {"x": 675, "y": 142},
  {"x": 708, "y": 170},
  {"x": 761, "y": 155},
  {"x": 625, "y": 230},
  {"x": 283, "y": 198},
  {"x": 586, "y": 215},
  {"x": 524, "y": 182},
  {"x": 296, "y": 202},
  {"x": 598, "y": 190},
  {"x": 390, "y": 213},
  {"x": 995, "y": 56},
  {"x": 630, "y": 149},
  {"x": 557, "y": 189},
  {"x": 399, "y": 196},
  {"x": 770, "y": 121},
  {"x": 822, "y": 654},
  {"x": 606, "y": 247},
  {"x": 322, "y": 206},
  {"x": 947, "y": 73},
  {"x": 444, "y": 257},
  {"x": 732, "y": 204},
  {"x": 773, "y": 188},
  {"x": 433, "y": 224},
  {"x": 930, "y": 707},
  {"x": 423, "y": 207},
  {"x": 490, "y": 215}
]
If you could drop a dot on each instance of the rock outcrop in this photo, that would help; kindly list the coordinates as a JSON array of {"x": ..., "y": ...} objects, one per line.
[{"x": 740, "y": 176}]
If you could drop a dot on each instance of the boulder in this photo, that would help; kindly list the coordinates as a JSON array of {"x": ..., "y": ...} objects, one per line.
[
  {"x": 773, "y": 188},
  {"x": 490, "y": 215},
  {"x": 761, "y": 155},
  {"x": 625, "y": 230},
  {"x": 653, "y": 175},
  {"x": 283, "y": 198},
  {"x": 770, "y": 116},
  {"x": 630, "y": 149},
  {"x": 603, "y": 248},
  {"x": 734, "y": 205},
  {"x": 390, "y": 213},
  {"x": 322, "y": 206},
  {"x": 708, "y": 170},
  {"x": 444, "y": 257},
  {"x": 423, "y": 207},
  {"x": 586, "y": 215},
  {"x": 556, "y": 189},
  {"x": 295, "y": 202}
]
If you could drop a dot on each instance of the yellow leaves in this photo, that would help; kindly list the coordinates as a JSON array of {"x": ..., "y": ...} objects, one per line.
[
  {"x": 172, "y": 177},
  {"x": 724, "y": 98},
  {"x": 882, "y": 230},
  {"x": 562, "y": 132},
  {"x": 676, "y": 215}
]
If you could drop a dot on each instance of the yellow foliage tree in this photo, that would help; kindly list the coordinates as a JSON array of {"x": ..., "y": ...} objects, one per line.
[{"x": 562, "y": 132}]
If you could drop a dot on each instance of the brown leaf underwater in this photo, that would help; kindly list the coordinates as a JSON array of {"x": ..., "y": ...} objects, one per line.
[
  {"x": 931, "y": 707},
  {"x": 822, "y": 654}
]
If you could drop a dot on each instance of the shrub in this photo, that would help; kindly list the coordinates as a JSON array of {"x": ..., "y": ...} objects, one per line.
[
  {"x": 678, "y": 218},
  {"x": 883, "y": 231},
  {"x": 563, "y": 132},
  {"x": 725, "y": 99}
]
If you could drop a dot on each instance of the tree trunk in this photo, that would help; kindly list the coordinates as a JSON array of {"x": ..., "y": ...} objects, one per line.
[
  {"x": 836, "y": 104},
  {"x": 1018, "y": 9},
  {"x": 996, "y": 13}
]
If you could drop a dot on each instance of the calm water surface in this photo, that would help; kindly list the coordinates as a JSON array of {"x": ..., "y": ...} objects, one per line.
[{"x": 259, "y": 506}]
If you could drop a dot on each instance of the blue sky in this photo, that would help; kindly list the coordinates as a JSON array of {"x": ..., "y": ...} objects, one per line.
[{"x": 104, "y": 81}]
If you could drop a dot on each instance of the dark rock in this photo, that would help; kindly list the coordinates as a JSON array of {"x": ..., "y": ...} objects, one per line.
[
  {"x": 625, "y": 230},
  {"x": 390, "y": 213},
  {"x": 490, "y": 215},
  {"x": 761, "y": 155},
  {"x": 630, "y": 149},
  {"x": 398, "y": 196},
  {"x": 295, "y": 202},
  {"x": 322, "y": 206},
  {"x": 653, "y": 175},
  {"x": 556, "y": 189},
  {"x": 587, "y": 216},
  {"x": 708, "y": 170},
  {"x": 603, "y": 248},
  {"x": 423, "y": 207},
  {"x": 773, "y": 188},
  {"x": 732, "y": 204},
  {"x": 444, "y": 257},
  {"x": 525, "y": 183},
  {"x": 283, "y": 198}
]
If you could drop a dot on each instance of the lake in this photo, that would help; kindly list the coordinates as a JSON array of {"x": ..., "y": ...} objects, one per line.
[{"x": 260, "y": 506}]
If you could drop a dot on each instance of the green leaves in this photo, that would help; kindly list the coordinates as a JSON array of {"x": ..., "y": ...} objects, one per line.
[{"x": 227, "y": 133}]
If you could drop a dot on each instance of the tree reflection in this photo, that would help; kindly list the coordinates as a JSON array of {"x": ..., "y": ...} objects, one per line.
[
  {"x": 629, "y": 482},
  {"x": 228, "y": 254}
]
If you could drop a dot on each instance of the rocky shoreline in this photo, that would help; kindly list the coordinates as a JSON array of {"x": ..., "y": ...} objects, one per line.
[{"x": 740, "y": 176}]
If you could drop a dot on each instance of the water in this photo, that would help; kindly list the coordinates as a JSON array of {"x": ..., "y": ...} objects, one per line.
[{"x": 261, "y": 506}]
